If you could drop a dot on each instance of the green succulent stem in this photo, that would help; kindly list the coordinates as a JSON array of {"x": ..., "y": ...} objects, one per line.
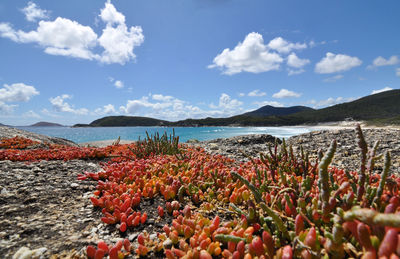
[
  {"x": 276, "y": 218},
  {"x": 372, "y": 217},
  {"x": 384, "y": 175},
  {"x": 364, "y": 150},
  {"x": 253, "y": 189},
  {"x": 323, "y": 177},
  {"x": 229, "y": 238}
]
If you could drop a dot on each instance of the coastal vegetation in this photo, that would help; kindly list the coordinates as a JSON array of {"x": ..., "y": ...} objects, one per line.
[
  {"x": 279, "y": 205},
  {"x": 381, "y": 108}
]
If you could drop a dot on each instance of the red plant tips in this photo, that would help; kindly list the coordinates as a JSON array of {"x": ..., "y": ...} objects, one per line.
[{"x": 282, "y": 205}]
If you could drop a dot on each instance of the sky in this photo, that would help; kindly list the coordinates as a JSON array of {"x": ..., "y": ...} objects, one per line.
[{"x": 71, "y": 61}]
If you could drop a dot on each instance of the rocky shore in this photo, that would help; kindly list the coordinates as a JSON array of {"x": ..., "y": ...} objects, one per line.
[
  {"x": 347, "y": 154},
  {"x": 44, "y": 207},
  {"x": 8, "y": 132}
]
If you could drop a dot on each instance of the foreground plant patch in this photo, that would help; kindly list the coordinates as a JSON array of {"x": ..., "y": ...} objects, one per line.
[{"x": 280, "y": 205}]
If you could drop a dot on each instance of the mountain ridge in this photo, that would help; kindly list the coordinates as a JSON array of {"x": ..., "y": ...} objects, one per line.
[{"x": 381, "y": 107}]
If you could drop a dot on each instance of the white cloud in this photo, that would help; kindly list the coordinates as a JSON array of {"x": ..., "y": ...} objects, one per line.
[
  {"x": 226, "y": 103},
  {"x": 18, "y": 92},
  {"x": 59, "y": 105},
  {"x": 281, "y": 45},
  {"x": 117, "y": 39},
  {"x": 106, "y": 109},
  {"x": 33, "y": 12},
  {"x": 49, "y": 113},
  {"x": 333, "y": 78},
  {"x": 69, "y": 38},
  {"x": 110, "y": 15},
  {"x": 59, "y": 37},
  {"x": 284, "y": 93},
  {"x": 31, "y": 114},
  {"x": 6, "y": 31},
  {"x": 331, "y": 101},
  {"x": 256, "y": 93},
  {"x": 398, "y": 71},
  {"x": 119, "y": 84},
  {"x": 292, "y": 72},
  {"x": 251, "y": 55},
  {"x": 242, "y": 94},
  {"x": 6, "y": 109},
  {"x": 133, "y": 106},
  {"x": 160, "y": 97},
  {"x": 296, "y": 62},
  {"x": 171, "y": 108},
  {"x": 387, "y": 88},
  {"x": 272, "y": 103},
  {"x": 333, "y": 63},
  {"x": 381, "y": 61}
]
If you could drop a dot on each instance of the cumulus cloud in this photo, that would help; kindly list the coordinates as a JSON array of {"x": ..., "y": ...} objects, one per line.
[
  {"x": 381, "y": 61},
  {"x": 333, "y": 78},
  {"x": 110, "y": 15},
  {"x": 281, "y": 45},
  {"x": 6, "y": 109},
  {"x": 65, "y": 37},
  {"x": 119, "y": 84},
  {"x": 117, "y": 39},
  {"x": 398, "y": 71},
  {"x": 292, "y": 72},
  {"x": 60, "y": 105},
  {"x": 296, "y": 62},
  {"x": 62, "y": 37},
  {"x": 333, "y": 63},
  {"x": 31, "y": 114},
  {"x": 331, "y": 101},
  {"x": 251, "y": 55},
  {"x": 226, "y": 103},
  {"x": 18, "y": 92},
  {"x": 284, "y": 93},
  {"x": 256, "y": 93},
  {"x": 387, "y": 88},
  {"x": 106, "y": 109},
  {"x": 271, "y": 103},
  {"x": 33, "y": 12},
  {"x": 172, "y": 108}
]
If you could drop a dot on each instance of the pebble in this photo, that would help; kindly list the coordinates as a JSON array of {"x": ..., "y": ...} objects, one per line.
[
  {"x": 132, "y": 237},
  {"x": 347, "y": 155}
]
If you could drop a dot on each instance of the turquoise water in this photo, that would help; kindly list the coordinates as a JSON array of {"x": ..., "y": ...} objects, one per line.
[{"x": 80, "y": 135}]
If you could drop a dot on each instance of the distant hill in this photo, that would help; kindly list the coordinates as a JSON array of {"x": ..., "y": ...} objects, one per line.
[
  {"x": 269, "y": 110},
  {"x": 46, "y": 124},
  {"x": 124, "y": 121},
  {"x": 381, "y": 108}
]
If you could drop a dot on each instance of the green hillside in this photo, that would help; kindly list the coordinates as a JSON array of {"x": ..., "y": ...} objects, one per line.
[
  {"x": 269, "y": 110},
  {"x": 124, "y": 121},
  {"x": 381, "y": 108}
]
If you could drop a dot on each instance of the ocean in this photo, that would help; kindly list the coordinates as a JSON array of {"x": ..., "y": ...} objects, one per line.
[{"x": 81, "y": 135}]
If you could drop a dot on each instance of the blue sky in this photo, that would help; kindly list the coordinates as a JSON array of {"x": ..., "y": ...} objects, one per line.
[{"x": 76, "y": 61}]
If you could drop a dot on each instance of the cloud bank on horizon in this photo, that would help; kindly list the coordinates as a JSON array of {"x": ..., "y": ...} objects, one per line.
[{"x": 282, "y": 68}]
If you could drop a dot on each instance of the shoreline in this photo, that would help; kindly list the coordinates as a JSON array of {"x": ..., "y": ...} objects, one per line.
[
  {"x": 301, "y": 129},
  {"x": 329, "y": 126}
]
